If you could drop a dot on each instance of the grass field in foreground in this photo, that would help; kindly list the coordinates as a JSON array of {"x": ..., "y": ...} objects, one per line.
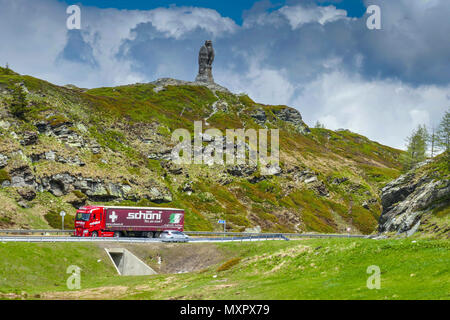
[{"x": 305, "y": 269}]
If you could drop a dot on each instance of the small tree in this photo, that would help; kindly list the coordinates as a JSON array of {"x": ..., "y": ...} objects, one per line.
[
  {"x": 319, "y": 125},
  {"x": 7, "y": 70},
  {"x": 443, "y": 135},
  {"x": 433, "y": 141},
  {"x": 443, "y": 132},
  {"x": 417, "y": 144},
  {"x": 18, "y": 104}
]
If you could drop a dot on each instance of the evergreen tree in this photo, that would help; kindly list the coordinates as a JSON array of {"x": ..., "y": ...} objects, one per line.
[
  {"x": 7, "y": 70},
  {"x": 319, "y": 125},
  {"x": 434, "y": 145},
  {"x": 18, "y": 104},
  {"x": 417, "y": 144},
  {"x": 443, "y": 132}
]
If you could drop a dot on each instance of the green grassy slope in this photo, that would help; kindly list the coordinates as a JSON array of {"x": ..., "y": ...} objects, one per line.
[
  {"x": 32, "y": 267},
  {"x": 305, "y": 269}
]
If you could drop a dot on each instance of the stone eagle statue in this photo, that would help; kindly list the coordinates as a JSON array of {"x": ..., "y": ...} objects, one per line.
[{"x": 205, "y": 60}]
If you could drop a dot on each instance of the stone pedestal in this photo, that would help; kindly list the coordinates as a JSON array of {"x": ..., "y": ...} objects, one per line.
[{"x": 205, "y": 75}]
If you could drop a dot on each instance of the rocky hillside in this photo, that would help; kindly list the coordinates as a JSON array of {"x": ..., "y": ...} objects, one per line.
[
  {"x": 418, "y": 201},
  {"x": 113, "y": 145}
]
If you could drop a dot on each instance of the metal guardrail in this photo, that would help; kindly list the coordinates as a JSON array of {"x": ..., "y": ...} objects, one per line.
[
  {"x": 72, "y": 239},
  {"x": 43, "y": 231},
  {"x": 131, "y": 240},
  {"x": 287, "y": 235},
  {"x": 207, "y": 233}
]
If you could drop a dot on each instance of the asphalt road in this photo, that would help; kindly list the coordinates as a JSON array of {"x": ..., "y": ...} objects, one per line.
[{"x": 129, "y": 240}]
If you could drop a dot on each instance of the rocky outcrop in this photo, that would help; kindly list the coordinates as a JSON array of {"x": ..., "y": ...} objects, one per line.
[
  {"x": 294, "y": 117},
  {"x": 163, "y": 155},
  {"x": 99, "y": 190},
  {"x": 162, "y": 83},
  {"x": 338, "y": 181},
  {"x": 58, "y": 184},
  {"x": 407, "y": 199},
  {"x": 94, "y": 189},
  {"x": 63, "y": 131},
  {"x": 29, "y": 138},
  {"x": 187, "y": 187},
  {"x": 370, "y": 202},
  {"x": 20, "y": 177},
  {"x": 53, "y": 156},
  {"x": 27, "y": 193},
  {"x": 3, "y": 160},
  {"x": 260, "y": 117},
  {"x": 172, "y": 167},
  {"x": 157, "y": 193},
  {"x": 241, "y": 170}
]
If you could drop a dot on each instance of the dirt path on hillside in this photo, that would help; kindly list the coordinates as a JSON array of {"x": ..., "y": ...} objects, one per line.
[{"x": 114, "y": 292}]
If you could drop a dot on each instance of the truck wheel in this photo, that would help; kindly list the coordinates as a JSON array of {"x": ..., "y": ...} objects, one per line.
[
  {"x": 94, "y": 234},
  {"x": 149, "y": 234}
]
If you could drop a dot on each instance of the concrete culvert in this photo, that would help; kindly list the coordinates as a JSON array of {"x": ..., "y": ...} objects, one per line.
[
  {"x": 127, "y": 264},
  {"x": 172, "y": 258}
]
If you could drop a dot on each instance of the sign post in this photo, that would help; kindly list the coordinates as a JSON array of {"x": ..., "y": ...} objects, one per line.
[
  {"x": 224, "y": 224},
  {"x": 62, "y": 214}
]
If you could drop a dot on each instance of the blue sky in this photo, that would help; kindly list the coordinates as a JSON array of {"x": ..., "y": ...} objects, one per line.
[
  {"x": 231, "y": 8},
  {"x": 316, "y": 56}
]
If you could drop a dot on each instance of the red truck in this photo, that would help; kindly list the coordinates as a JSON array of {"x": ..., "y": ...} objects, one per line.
[{"x": 112, "y": 221}]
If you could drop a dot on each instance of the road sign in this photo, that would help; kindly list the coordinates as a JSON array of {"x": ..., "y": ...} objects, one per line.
[
  {"x": 224, "y": 222},
  {"x": 62, "y": 214}
]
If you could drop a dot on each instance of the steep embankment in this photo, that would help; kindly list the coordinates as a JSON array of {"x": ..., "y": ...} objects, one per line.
[
  {"x": 418, "y": 201},
  {"x": 307, "y": 269},
  {"x": 113, "y": 145}
]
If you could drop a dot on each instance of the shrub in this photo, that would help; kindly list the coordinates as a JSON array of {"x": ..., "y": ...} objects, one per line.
[
  {"x": 5, "y": 220},
  {"x": 54, "y": 219},
  {"x": 79, "y": 194},
  {"x": 206, "y": 197},
  {"x": 4, "y": 176},
  {"x": 227, "y": 265}
]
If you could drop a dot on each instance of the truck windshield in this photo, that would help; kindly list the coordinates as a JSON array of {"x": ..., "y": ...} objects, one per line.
[{"x": 83, "y": 216}]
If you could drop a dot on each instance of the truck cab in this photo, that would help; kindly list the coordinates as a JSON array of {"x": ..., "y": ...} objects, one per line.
[{"x": 89, "y": 222}]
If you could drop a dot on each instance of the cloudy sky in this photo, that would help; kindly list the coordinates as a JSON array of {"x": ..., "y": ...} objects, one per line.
[{"x": 317, "y": 56}]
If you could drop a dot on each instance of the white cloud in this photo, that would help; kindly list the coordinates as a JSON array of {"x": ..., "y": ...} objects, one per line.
[
  {"x": 340, "y": 74},
  {"x": 296, "y": 16},
  {"x": 30, "y": 40},
  {"x": 299, "y": 15},
  {"x": 175, "y": 22},
  {"x": 265, "y": 85},
  {"x": 35, "y": 33},
  {"x": 385, "y": 111}
]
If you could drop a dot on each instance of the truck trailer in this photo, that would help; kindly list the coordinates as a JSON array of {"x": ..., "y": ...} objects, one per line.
[{"x": 116, "y": 221}]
